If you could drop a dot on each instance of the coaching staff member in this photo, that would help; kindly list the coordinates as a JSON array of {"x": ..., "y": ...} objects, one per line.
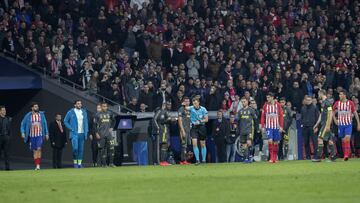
[
  {"x": 5, "y": 136},
  {"x": 309, "y": 116}
]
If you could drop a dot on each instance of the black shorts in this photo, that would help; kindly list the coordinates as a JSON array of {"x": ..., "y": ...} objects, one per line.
[
  {"x": 106, "y": 142},
  {"x": 245, "y": 138},
  {"x": 326, "y": 136},
  {"x": 187, "y": 140},
  {"x": 198, "y": 132}
]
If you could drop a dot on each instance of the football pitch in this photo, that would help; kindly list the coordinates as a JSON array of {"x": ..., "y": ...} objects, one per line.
[{"x": 292, "y": 181}]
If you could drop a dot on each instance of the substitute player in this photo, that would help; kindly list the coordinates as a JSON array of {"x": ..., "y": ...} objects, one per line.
[
  {"x": 104, "y": 122},
  {"x": 198, "y": 119},
  {"x": 161, "y": 124},
  {"x": 247, "y": 118},
  {"x": 272, "y": 123},
  {"x": 325, "y": 134},
  {"x": 345, "y": 110},
  {"x": 284, "y": 142},
  {"x": 34, "y": 130},
  {"x": 76, "y": 121},
  {"x": 184, "y": 126}
]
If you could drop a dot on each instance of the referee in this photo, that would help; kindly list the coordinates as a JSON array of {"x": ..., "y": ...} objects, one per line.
[{"x": 198, "y": 119}]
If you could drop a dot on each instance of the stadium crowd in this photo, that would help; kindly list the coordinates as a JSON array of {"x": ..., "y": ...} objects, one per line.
[{"x": 143, "y": 54}]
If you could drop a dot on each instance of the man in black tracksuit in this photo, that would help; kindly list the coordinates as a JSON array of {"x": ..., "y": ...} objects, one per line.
[
  {"x": 309, "y": 115},
  {"x": 184, "y": 127},
  {"x": 258, "y": 139},
  {"x": 94, "y": 139},
  {"x": 161, "y": 127},
  {"x": 104, "y": 122},
  {"x": 247, "y": 118},
  {"x": 5, "y": 131}
]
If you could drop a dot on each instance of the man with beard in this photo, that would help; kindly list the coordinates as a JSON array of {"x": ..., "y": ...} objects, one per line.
[
  {"x": 184, "y": 126},
  {"x": 34, "y": 130},
  {"x": 162, "y": 95},
  {"x": 76, "y": 120}
]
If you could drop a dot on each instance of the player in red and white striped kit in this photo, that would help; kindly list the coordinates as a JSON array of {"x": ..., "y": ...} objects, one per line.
[
  {"x": 344, "y": 109},
  {"x": 34, "y": 130},
  {"x": 272, "y": 122}
]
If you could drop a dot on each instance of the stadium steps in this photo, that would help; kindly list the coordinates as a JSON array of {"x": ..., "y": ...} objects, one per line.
[{"x": 70, "y": 91}]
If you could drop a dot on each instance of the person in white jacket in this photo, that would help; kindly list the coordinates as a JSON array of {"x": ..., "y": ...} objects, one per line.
[{"x": 193, "y": 66}]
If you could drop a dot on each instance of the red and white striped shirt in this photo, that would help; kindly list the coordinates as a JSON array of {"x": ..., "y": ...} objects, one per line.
[
  {"x": 272, "y": 116},
  {"x": 345, "y": 112},
  {"x": 35, "y": 129}
]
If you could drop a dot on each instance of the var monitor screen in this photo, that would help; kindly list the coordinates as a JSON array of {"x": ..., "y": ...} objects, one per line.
[{"x": 125, "y": 124}]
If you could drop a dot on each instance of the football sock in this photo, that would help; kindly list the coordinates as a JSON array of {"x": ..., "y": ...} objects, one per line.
[
  {"x": 332, "y": 150},
  {"x": 275, "y": 151},
  {"x": 271, "y": 151},
  {"x": 319, "y": 151},
  {"x": 196, "y": 152},
  {"x": 203, "y": 154}
]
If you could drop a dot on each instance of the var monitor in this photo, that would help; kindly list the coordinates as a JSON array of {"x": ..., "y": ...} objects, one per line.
[{"x": 125, "y": 122}]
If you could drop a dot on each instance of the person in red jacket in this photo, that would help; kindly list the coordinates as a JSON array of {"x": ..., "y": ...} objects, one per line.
[{"x": 272, "y": 121}]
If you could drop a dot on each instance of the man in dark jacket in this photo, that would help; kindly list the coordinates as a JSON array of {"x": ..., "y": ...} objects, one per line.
[
  {"x": 162, "y": 96},
  {"x": 167, "y": 55},
  {"x": 94, "y": 138},
  {"x": 296, "y": 96},
  {"x": 58, "y": 140},
  {"x": 8, "y": 43},
  {"x": 179, "y": 56},
  {"x": 5, "y": 132},
  {"x": 284, "y": 142},
  {"x": 220, "y": 130},
  {"x": 257, "y": 94},
  {"x": 212, "y": 100},
  {"x": 146, "y": 97},
  {"x": 309, "y": 116},
  {"x": 231, "y": 138}
]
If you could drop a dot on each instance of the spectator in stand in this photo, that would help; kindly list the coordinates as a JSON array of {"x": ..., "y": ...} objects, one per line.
[
  {"x": 146, "y": 97},
  {"x": 133, "y": 105},
  {"x": 273, "y": 46}
]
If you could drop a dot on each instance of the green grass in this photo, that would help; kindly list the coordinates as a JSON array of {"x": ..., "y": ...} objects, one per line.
[{"x": 296, "y": 181}]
